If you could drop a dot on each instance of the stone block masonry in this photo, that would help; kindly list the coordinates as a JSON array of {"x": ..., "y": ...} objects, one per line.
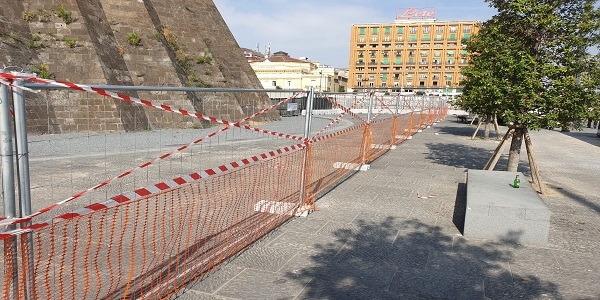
[{"x": 173, "y": 34}]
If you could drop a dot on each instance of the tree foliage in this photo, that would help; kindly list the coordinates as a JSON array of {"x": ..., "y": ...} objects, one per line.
[{"x": 530, "y": 63}]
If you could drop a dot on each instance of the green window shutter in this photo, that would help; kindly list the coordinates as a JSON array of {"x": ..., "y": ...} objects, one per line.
[
  {"x": 361, "y": 31},
  {"x": 384, "y": 76},
  {"x": 400, "y": 29},
  {"x": 453, "y": 36},
  {"x": 426, "y": 37},
  {"x": 438, "y": 37},
  {"x": 413, "y": 38},
  {"x": 374, "y": 31},
  {"x": 463, "y": 52},
  {"x": 387, "y": 30},
  {"x": 398, "y": 61},
  {"x": 466, "y": 36},
  {"x": 386, "y": 61}
]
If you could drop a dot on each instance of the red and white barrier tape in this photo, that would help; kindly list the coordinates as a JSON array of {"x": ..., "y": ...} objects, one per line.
[
  {"x": 153, "y": 189},
  {"x": 146, "y": 103}
]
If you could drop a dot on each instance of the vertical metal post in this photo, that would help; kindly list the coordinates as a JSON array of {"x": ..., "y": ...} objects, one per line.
[
  {"x": 309, "y": 109},
  {"x": 24, "y": 179},
  {"x": 8, "y": 190},
  {"x": 372, "y": 95},
  {"x": 397, "y": 103},
  {"x": 307, "y": 126}
]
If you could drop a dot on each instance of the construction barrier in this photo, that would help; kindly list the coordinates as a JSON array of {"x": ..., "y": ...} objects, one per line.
[{"x": 173, "y": 210}]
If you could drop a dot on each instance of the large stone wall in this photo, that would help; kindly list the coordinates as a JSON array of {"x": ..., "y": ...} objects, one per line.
[{"x": 183, "y": 43}]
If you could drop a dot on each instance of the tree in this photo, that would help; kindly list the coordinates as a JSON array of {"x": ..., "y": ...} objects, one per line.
[{"x": 530, "y": 65}]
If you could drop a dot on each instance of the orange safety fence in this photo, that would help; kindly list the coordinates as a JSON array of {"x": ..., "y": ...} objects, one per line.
[{"x": 152, "y": 245}]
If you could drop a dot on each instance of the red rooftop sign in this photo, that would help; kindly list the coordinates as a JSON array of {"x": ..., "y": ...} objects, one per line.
[{"x": 415, "y": 13}]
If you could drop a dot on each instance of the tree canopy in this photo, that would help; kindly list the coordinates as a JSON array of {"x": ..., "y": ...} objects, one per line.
[{"x": 531, "y": 64}]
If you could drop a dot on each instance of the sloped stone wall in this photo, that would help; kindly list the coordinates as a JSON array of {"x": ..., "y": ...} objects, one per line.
[{"x": 182, "y": 43}]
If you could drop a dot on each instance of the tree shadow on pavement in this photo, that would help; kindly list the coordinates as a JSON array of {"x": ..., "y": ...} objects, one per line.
[{"x": 408, "y": 259}]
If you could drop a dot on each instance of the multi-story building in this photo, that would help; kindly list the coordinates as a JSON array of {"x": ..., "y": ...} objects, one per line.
[{"x": 415, "y": 52}]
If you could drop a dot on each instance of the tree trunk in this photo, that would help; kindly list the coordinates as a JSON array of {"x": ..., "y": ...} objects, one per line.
[
  {"x": 496, "y": 126},
  {"x": 486, "y": 130},
  {"x": 514, "y": 153}
]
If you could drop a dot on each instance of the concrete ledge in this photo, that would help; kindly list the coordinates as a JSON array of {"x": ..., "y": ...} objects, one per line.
[{"x": 496, "y": 210}]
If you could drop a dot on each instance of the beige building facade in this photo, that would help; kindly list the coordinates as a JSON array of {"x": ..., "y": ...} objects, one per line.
[
  {"x": 415, "y": 52},
  {"x": 280, "y": 71}
]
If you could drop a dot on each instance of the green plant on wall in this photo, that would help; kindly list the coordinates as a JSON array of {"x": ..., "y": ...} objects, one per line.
[
  {"x": 35, "y": 42},
  {"x": 184, "y": 60},
  {"x": 71, "y": 42},
  {"x": 65, "y": 15},
  {"x": 134, "y": 39},
  {"x": 42, "y": 71},
  {"x": 43, "y": 16},
  {"x": 28, "y": 16}
]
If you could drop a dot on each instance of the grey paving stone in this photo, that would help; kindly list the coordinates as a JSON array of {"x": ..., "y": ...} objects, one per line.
[
  {"x": 434, "y": 285},
  {"x": 264, "y": 258},
  {"x": 262, "y": 285},
  {"x": 214, "y": 280}
]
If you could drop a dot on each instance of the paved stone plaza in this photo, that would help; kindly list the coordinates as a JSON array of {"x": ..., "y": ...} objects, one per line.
[{"x": 373, "y": 237}]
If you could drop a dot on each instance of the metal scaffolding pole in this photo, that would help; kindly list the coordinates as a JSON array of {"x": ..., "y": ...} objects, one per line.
[
  {"x": 24, "y": 179},
  {"x": 8, "y": 191}
]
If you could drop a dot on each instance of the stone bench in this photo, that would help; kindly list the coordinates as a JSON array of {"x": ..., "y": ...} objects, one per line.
[{"x": 496, "y": 210}]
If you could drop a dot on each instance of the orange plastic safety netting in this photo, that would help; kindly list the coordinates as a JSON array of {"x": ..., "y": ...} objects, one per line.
[{"x": 151, "y": 242}]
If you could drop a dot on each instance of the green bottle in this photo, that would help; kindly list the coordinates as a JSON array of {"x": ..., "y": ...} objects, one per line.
[{"x": 517, "y": 182}]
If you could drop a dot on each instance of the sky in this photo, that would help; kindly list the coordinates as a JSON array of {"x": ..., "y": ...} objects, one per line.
[{"x": 320, "y": 29}]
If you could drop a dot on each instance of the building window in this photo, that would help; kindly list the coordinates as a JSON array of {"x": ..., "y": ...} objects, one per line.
[
  {"x": 453, "y": 36},
  {"x": 426, "y": 29},
  {"x": 371, "y": 84},
  {"x": 438, "y": 37},
  {"x": 424, "y": 53},
  {"x": 361, "y": 31},
  {"x": 400, "y": 30},
  {"x": 386, "y": 61},
  {"x": 440, "y": 29},
  {"x": 273, "y": 83},
  {"x": 384, "y": 76},
  {"x": 413, "y": 38},
  {"x": 467, "y": 29},
  {"x": 399, "y": 38},
  {"x": 289, "y": 83},
  {"x": 452, "y": 28},
  {"x": 426, "y": 37},
  {"x": 466, "y": 36},
  {"x": 386, "y": 38},
  {"x": 371, "y": 77},
  {"x": 413, "y": 30},
  {"x": 398, "y": 61},
  {"x": 384, "y": 84},
  {"x": 361, "y": 39},
  {"x": 437, "y": 53},
  {"x": 387, "y": 30},
  {"x": 374, "y": 31},
  {"x": 374, "y": 39},
  {"x": 450, "y": 53},
  {"x": 450, "y": 60}
]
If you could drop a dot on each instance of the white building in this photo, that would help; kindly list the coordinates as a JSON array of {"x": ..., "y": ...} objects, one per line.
[{"x": 280, "y": 71}]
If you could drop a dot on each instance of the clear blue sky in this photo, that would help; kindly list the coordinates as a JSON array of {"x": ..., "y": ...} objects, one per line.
[{"x": 320, "y": 29}]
